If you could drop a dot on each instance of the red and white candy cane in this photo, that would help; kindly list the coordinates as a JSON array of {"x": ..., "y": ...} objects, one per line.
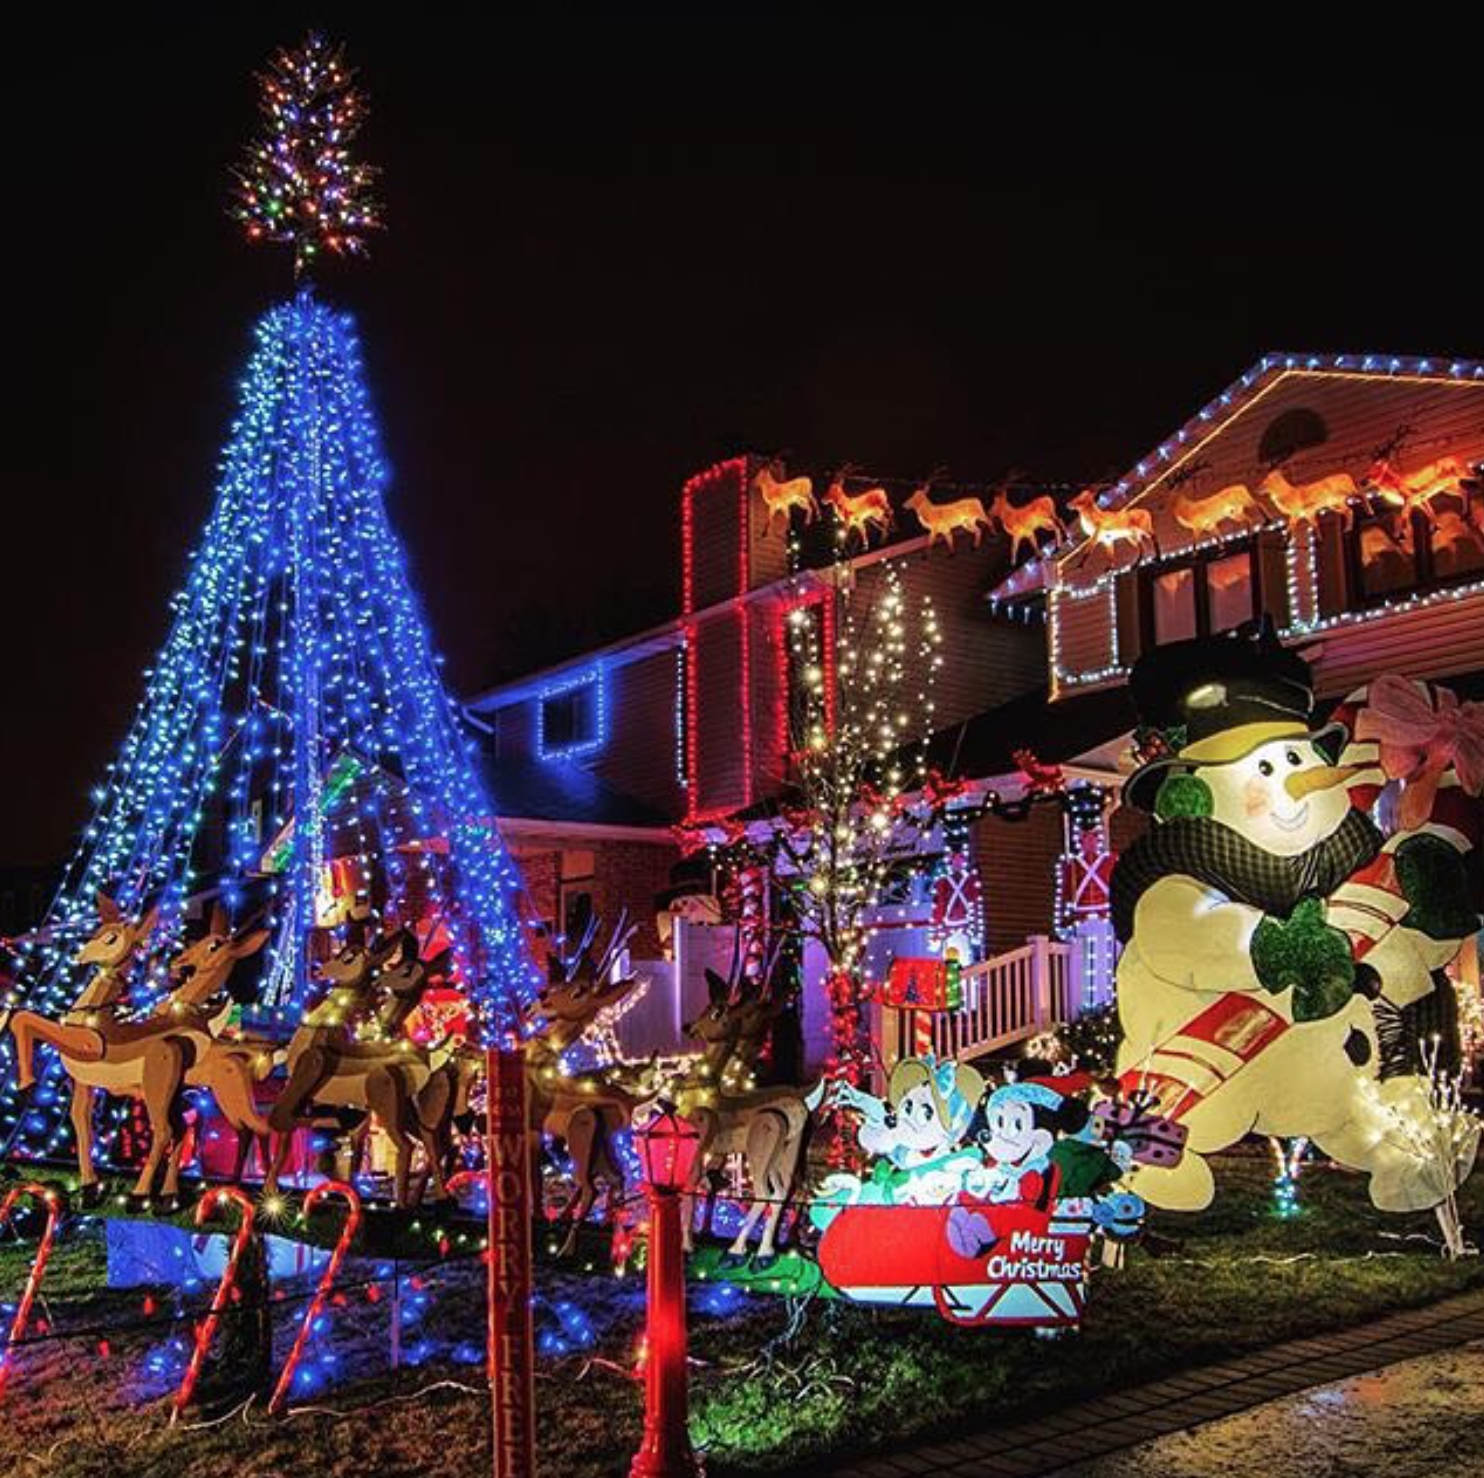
[
  {"x": 491, "y": 1345},
  {"x": 55, "y": 1206},
  {"x": 224, "y": 1289},
  {"x": 352, "y": 1200}
]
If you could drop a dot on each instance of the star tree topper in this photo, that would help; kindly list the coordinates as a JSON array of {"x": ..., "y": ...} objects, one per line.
[{"x": 298, "y": 183}]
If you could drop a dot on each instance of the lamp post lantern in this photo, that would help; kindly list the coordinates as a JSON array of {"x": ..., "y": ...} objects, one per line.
[{"x": 667, "y": 1146}]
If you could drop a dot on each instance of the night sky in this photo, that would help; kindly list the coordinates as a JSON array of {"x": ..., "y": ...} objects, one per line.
[{"x": 620, "y": 249}]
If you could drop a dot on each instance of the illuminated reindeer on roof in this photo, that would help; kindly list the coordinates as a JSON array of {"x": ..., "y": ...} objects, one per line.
[
  {"x": 155, "y": 1058},
  {"x": 1026, "y": 523},
  {"x": 781, "y": 497},
  {"x": 350, "y": 1051},
  {"x": 858, "y": 513},
  {"x": 1415, "y": 491},
  {"x": 944, "y": 520}
]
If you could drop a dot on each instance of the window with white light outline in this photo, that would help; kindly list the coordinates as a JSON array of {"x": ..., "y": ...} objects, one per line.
[
  {"x": 572, "y": 716},
  {"x": 1212, "y": 591}
]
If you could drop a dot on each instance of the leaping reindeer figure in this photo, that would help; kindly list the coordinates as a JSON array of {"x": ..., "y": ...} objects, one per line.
[
  {"x": 781, "y": 498},
  {"x": 151, "y": 1059},
  {"x": 859, "y": 513},
  {"x": 112, "y": 947},
  {"x": 1416, "y": 490}
]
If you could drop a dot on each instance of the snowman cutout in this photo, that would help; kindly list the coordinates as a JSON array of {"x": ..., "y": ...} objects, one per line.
[{"x": 1242, "y": 1005}]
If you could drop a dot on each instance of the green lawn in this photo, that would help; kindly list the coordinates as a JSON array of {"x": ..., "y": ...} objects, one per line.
[{"x": 768, "y": 1393}]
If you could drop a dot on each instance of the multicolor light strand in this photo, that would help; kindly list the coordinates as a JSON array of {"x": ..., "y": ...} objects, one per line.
[{"x": 298, "y": 185}]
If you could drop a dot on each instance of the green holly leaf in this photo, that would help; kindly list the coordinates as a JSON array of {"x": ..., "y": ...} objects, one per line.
[{"x": 1308, "y": 956}]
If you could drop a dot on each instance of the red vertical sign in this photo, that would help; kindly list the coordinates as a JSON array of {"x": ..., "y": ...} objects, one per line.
[{"x": 512, "y": 1355}]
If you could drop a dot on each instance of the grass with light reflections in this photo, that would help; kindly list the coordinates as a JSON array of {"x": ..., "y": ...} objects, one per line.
[{"x": 766, "y": 1395}]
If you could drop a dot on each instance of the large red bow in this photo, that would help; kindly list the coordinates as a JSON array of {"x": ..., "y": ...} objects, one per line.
[{"x": 1418, "y": 741}]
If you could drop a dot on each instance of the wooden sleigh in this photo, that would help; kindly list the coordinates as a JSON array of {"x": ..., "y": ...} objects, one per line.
[{"x": 1033, "y": 1273}]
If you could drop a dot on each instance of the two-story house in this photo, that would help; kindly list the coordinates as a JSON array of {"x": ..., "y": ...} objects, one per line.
[
  {"x": 1342, "y": 495},
  {"x": 594, "y": 762}
]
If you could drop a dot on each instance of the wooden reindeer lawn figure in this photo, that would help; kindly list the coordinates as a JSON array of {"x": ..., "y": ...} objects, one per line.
[
  {"x": 1026, "y": 524},
  {"x": 584, "y": 1111},
  {"x": 858, "y": 513},
  {"x": 944, "y": 520},
  {"x": 1203, "y": 516},
  {"x": 781, "y": 497},
  {"x": 155, "y": 1058},
  {"x": 363, "y": 1062},
  {"x": 1302, "y": 503},
  {"x": 111, "y": 947},
  {"x": 1109, "y": 527},
  {"x": 768, "y": 1126}
]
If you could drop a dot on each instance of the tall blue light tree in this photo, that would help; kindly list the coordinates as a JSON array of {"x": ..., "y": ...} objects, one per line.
[{"x": 296, "y": 714}]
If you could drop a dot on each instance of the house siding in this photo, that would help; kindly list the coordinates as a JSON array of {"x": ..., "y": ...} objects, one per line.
[{"x": 1017, "y": 869}]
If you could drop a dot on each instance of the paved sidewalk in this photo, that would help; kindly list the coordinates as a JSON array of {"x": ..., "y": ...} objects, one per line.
[{"x": 1045, "y": 1444}]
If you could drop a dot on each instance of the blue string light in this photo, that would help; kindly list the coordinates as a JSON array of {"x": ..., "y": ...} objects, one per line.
[
  {"x": 296, "y": 646},
  {"x": 590, "y": 680}
]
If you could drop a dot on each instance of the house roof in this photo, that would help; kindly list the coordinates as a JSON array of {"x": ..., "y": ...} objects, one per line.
[
  {"x": 1210, "y": 420},
  {"x": 1186, "y": 443},
  {"x": 558, "y": 790},
  {"x": 1056, "y": 733}
]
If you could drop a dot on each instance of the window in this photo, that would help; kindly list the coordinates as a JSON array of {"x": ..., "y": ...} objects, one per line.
[
  {"x": 571, "y": 717},
  {"x": 1229, "y": 591},
  {"x": 1213, "y": 592},
  {"x": 1174, "y": 605},
  {"x": 577, "y": 912},
  {"x": 1384, "y": 556},
  {"x": 1393, "y": 553}
]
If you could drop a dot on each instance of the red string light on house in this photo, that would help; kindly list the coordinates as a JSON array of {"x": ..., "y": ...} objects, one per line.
[{"x": 711, "y": 478}]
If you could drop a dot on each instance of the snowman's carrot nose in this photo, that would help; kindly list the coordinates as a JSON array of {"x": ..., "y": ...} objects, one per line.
[{"x": 1322, "y": 777}]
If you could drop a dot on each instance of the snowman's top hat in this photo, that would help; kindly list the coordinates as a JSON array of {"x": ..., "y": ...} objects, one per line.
[{"x": 1215, "y": 699}]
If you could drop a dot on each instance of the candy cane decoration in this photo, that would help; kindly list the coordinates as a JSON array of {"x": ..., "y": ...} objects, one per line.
[
  {"x": 456, "y": 1183},
  {"x": 54, "y": 1203},
  {"x": 224, "y": 1289},
  {"x": 327, "y": 1278}
]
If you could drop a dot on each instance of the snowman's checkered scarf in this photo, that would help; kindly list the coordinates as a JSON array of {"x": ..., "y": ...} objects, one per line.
[{"x": 1214, "y": 854}]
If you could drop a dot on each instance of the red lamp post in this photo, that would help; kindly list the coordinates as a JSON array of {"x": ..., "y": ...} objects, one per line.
[{"x": 667, "y": 1147}]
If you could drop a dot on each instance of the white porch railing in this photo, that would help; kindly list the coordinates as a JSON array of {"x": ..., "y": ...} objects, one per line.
[{"x": 1009, "y": 998}]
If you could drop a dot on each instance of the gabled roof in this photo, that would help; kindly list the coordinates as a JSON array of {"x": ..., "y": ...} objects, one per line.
[
  {"x": 558, "y": 791},
  {"x": 1268, "y": 372},
  {"x": 1212, "y": 419}
]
